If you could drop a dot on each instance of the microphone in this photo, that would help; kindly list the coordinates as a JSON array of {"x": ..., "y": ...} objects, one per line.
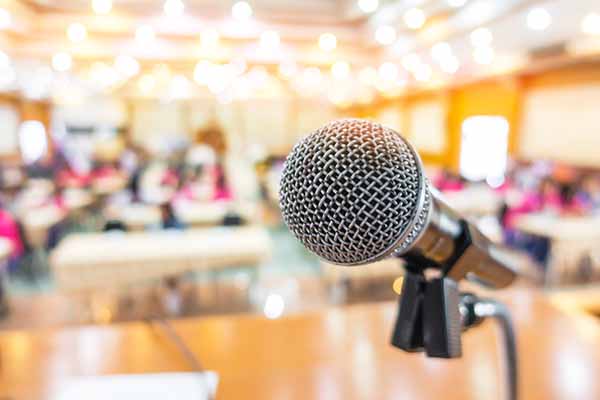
[{"x": 354, "y": 192}]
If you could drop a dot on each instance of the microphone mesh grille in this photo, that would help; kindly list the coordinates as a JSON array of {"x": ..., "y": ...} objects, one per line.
[{"x": 350, "y": 191}]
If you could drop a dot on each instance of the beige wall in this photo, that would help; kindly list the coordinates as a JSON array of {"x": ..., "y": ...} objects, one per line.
[
  {"x": 9, "y": 125},
  {"x": 274, "y": 124},
  {"x": 563, "y": 124}
]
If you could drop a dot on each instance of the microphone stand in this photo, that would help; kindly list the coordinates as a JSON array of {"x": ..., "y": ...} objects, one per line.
[
  {"x": 474, "y": 311},
  {"x": 433, "y": 314}
]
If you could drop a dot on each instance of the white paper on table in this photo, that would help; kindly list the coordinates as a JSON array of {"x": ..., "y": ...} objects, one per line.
[{"x": 162, "y": 386}]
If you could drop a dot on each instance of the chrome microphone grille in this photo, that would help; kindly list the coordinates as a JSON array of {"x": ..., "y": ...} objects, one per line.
[{"x": 353, "y": 192}]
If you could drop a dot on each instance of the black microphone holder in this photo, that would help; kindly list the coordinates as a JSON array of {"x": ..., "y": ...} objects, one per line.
[{"x": 433, "y": 313}]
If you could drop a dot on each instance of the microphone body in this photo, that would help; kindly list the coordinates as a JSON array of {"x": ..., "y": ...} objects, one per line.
[
  {"x": 354, "y": 192},
  {"x": 458, "y": 248}
]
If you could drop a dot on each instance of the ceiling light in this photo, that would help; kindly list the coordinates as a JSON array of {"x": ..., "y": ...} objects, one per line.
[
  {"x": 237, "y": 66},
  {"x": 62, "y": 62},
  {"x": 327, "y": 42},
  {"x": 440, "y": 51},
  {"x": 450, "y": 64},
  {"x": 101, "y": 6},
  {"x": 76, "y": 32},
  {"x": 368, "y": 6},
  {"x": 414, "y": 18},
  {"x": 366, "y": 96},
  {"x": 481, "y": 37},
  {"x": 174, "y": 8},
  {"x": 388, "y": 71},
  {"x": 218, "y": 85},
  {"x": 391, "y": 89},
  {"x": 258, "y": 75},
  {"x": 241, "y": 11},
  {"x": 4, "y": 59},
  {"x": 385, "y": 35},
  {"x": 102, "y": 75},
  {"x": 146, "y": 84},
  {"x": 179, "y": 88},
  {"x": 127, "y": 66},
  {"x": 203, "y": 72},
  {"x": 144, "y": 34},
  {"x": 312, "y": 76},
  {"x": 480, "y": 10},
  {"x": 423, "y": 73},
  {"x": 340, "y": 70},
  {"x": 287, "y": 69},
  {"x": 538, "y": 19},
  {"x": 269, "y": 39},
  {"x": 456, "y": 3},
  {"x": 339, "y": 98},
  {"x": 411, "y": 61},
  {"x": 210, "y": 38},
  {"x": 7, "y": 76},
  {"x": 37, "y": 84},
  {"x": 5, "y": 18},
  {"x": 483, "y": 55},
  {"x": 590, "y": 24},
  {"x": 367, "y": 76},
  {"x": 162, "y": 73}
]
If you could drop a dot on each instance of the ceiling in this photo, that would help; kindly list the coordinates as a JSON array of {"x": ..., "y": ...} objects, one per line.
[{"x": 37, "y": 31}]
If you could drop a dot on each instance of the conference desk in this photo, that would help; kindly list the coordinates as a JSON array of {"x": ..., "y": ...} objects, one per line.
[
  {"x": 560, "y": 227},
  {"x": 474, "y": 201},
  {"x": 575, "y": 240},
  {"x": 335, "y": 353},
  {"x": 194, "y": 214},
  {"x": 110, "y": 259}
]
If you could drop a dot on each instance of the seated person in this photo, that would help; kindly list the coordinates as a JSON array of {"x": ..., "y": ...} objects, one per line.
[
  {"x": 168, "y": 218},
  {"x": 114, "y": 225},
  {"x": 9, "y": 229},
  {"x": 222, "y": 190},
  {"x": 446, "y": 181},
  {"x": 113, "y": 221}
]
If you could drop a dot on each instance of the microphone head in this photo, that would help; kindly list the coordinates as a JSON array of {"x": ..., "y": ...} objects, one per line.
[{"x": 354, "y": 192}]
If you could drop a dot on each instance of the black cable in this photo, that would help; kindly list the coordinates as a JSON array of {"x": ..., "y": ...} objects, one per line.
[
  {"x": 498, "y": 311},
  {"x": 187, "y": 353}
]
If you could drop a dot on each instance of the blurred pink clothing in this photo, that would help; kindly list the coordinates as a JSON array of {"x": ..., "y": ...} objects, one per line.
[
  {"x": 170, "y": 178},
  {"x": 70, "y": 178},
  {"x": 186, "y": 193},
  {"x": 445, "y": 183},
  {"x": 551, "y": 201},
  {"x": 104, "y": 172},
  {"x": 10, "y": 230},
  {"x": 530, "y": 202},
  {"x": 223, "y": 194}
]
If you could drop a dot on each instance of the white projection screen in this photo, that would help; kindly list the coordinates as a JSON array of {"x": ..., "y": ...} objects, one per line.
[{"x": 562, "y": 124}]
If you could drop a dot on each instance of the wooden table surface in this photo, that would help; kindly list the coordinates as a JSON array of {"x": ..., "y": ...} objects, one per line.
[{"x": 336, "y": 353}]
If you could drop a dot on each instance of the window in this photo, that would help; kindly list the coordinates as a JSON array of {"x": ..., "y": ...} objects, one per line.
[
  {"x": 32, "y": 141},
  {"x": 484, "y": 148}
]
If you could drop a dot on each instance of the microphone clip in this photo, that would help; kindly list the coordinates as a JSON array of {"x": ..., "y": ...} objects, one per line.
[
  {"x": 429, "y": 317},
  {"x": 433, "y": 314}
]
